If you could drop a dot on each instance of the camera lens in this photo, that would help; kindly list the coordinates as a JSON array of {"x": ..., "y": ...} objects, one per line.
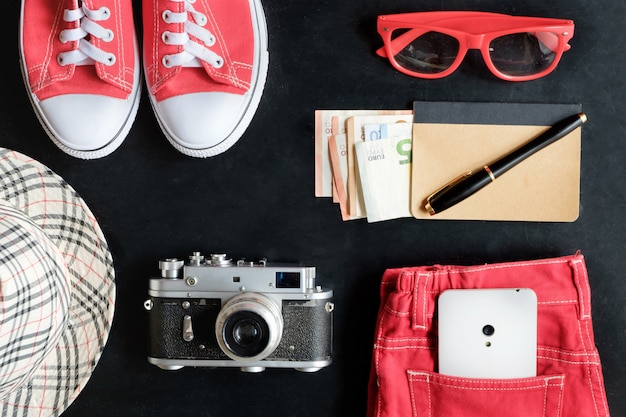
[
  {"x": 488, "y": 330},
  {"x": 249, "y": 327},
  {"x": 246, "y": 334}
]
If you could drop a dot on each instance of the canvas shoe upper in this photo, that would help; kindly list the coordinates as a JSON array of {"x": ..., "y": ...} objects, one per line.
[
  {"x": 205, "y": 63},
  {"x": 80, "y": 63}
]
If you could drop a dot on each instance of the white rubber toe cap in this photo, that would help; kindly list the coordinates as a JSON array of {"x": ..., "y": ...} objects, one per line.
[
  {"x": 202, "y": 120},
  {"x": 85, "y": 122}
]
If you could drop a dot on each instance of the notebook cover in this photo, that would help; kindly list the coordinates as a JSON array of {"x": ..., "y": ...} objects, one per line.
[{"x": 450, "y": 138}]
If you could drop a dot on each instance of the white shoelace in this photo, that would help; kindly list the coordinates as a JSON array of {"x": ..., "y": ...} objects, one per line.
[
  {"x": 87, "y": 53},
  {"x": 193, "y": 52}
]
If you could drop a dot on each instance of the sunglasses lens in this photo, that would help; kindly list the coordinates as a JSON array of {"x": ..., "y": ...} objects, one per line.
[
  {"x": 428, "y": 53},
  {"x": 521, "y": 54}
]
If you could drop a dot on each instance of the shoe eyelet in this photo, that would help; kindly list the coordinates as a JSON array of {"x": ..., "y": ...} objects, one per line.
[
  {"x": 211, "y": 41},
  {"x": 166, "y": 61},
  {"x": 165, "y": 37},
  {"x": 105, "y": 11},
  {"x": 166, "y": 16},
  {"x": 110, "y": 60},
  {"x": 219, "y": 63},
  {"x": 60, "y": 60},
  {"x": 109, "y": 36},
  {"x": 62, "y": 37},
  {"x": 201, "y": 20}
]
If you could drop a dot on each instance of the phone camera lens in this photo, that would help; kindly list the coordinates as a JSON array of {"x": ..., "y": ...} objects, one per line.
[{"x": 488, "y": 330}]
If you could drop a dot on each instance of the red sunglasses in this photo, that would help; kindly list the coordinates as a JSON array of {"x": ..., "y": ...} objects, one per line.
[{"x": 433, "y": 44}]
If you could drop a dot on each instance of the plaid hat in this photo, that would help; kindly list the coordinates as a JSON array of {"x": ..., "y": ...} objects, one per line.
[{"x": 57, "y": 289}]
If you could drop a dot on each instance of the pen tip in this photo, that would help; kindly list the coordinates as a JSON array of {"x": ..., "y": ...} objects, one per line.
[{"x": 583, "y": 117}]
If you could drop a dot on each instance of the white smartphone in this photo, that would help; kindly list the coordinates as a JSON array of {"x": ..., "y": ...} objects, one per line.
[{"x": 488, "y": 333}]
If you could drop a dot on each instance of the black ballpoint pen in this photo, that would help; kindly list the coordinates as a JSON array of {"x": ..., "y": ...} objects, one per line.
[{"x": 469, "y": 183}]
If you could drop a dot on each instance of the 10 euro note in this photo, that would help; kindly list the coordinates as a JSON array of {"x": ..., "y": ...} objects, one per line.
[
  {"x": 388, "y": 130},
  {"x": 385, "y": 174}
]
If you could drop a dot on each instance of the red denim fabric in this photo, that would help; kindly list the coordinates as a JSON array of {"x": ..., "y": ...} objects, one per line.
[{"x": 404, "y": 381}]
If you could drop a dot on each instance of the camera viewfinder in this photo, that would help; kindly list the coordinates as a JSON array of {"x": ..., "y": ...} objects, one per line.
[{"x": 287, "y": 280}]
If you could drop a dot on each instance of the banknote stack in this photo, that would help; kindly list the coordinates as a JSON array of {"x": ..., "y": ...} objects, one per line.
[{"x": 363, "y": 161}]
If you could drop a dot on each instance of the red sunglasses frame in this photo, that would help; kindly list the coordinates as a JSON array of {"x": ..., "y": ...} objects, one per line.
[{"x": 473, "y": 30}]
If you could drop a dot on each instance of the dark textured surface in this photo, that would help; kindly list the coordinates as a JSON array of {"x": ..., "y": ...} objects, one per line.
[
  {"x": 257, "y": 200},
  {"x": 307, "y": 327},
  {"x": 166, "y": 325}
]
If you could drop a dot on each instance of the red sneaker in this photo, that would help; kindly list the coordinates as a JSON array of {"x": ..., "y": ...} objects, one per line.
[
  {"x": 80, "y": 64},
  {"x": 205, "y": 64}
]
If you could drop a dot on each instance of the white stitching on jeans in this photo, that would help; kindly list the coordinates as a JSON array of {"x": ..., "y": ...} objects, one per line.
[
  {"x": 396, "y": 312},
  {"x": 581, "y": 293},
  {"x": 564, "y": 352},
  {"x": 406, "y": 339},
  {"x": 377, "y": 346},
  {"x": 549, "y": 378},
  {"x": 416, "y": 284},
  {"x": 412, "y": 394},
  {"x": 545, "y": 398},
  {"x": 547, "y": 358},
  {"x": 559, "y": 405},
  {"x": 582, "y": 340},
  {"x": 589, "y": 371},
  {"x": 603, "y": 397},
  {"x": 379, "y": 398},
  {"x": 558, "y": 302},
  {"x": 430, "y": 400},
  {"x": 424, "y": 298}
]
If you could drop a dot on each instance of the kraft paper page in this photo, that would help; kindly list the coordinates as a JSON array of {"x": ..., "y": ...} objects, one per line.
[{"x": 544, "y": 187}]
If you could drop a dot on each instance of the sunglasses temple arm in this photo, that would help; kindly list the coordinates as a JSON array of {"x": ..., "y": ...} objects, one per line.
[{"x": 399, "y": 43}]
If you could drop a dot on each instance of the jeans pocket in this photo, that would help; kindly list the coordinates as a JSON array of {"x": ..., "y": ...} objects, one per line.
[{"x": 436, "y": 395}]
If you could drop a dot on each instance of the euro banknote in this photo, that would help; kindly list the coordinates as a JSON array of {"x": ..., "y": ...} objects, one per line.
[
  {"x": 336, "y": 169},
  {"x": 384, "y": 164}
]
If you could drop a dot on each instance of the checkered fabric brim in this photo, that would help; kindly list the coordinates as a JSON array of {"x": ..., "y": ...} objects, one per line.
[
  {"x": 34, "y": 295},
  {"x": 54, "y": 206}
]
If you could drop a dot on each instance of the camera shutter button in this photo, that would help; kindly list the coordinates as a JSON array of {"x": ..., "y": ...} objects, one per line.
[{"x": 187, "y": 329}]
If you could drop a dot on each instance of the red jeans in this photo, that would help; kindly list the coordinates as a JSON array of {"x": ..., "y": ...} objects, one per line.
[{"x": 404, "y": 381}]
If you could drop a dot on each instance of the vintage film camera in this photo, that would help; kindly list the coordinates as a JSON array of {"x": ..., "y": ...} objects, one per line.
[{"x": 251, "y": 315}]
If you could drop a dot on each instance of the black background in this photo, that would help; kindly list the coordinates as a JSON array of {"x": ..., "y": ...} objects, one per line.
[{"x": 257, "y": 200}]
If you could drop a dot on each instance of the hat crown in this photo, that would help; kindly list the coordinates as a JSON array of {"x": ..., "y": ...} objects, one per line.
[{"x": 34, "y": 297}]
